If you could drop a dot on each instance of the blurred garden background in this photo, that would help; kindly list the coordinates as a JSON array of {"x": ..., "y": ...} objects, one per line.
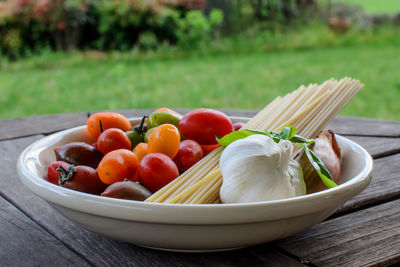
[{"x": 59, "y": 56}]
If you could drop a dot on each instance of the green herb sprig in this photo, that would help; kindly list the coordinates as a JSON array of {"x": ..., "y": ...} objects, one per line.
[{"x": 287, "y": 133}]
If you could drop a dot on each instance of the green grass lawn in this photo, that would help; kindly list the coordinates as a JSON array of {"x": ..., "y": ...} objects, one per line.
[
  {"x": 375, "y": 6},
  {"x": 73, "y": 82}
]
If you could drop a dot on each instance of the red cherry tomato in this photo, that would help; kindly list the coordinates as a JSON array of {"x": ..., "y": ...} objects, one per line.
[
  {"x": 52, "y": 174},
  {"x": 156, "y": 170},
  {"x": 108, "y": 120},
  {"x": 81, "y": 178},
  {"x": 118, "y": 165},
  {"x": 208, "y": 148},
  {"x": 237, "y": 126},
  {"x": 113, "y": 139},
  {"x": 189, "y": 153},
  {"x": 203, "y": 125}
]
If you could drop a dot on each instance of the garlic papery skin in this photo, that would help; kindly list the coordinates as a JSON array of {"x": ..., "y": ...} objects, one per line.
[{"x": 258, "y": 169}]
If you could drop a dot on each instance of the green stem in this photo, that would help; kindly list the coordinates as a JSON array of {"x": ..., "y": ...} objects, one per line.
[{"x": 66, "y": 175}]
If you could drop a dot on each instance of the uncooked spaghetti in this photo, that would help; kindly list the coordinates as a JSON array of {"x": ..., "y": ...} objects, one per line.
[{"x": 309, "y": 109}]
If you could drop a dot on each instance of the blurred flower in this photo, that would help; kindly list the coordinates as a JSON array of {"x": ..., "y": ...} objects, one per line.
[
  {"x": 84, "y": 7},
  {"x": 41, "y": 7},
  {"x": 61, "y": 26}
]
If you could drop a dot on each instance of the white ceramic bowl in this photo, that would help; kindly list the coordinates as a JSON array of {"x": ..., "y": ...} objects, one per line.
[{"x": 183, "y": 227}]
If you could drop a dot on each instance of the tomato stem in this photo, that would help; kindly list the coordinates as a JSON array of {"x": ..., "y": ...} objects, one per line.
[
  {"x": 101, "y": 127},
  {"x": 139, "y": 129},
  {"x": 66, "y": 175}
]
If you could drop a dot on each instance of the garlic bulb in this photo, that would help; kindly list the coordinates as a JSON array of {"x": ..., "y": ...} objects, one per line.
[{"x": 258, "y": 169}]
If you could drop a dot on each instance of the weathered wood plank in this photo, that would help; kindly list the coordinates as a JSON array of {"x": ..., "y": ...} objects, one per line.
[
  {"x": 363, "y": 238},
  {"x": 384, "y": 185},
  {"x": 378, "y": 146},
  {"x": 12, "y": 128},
  {"x": 365, "y": 127},
  {"x": 261, "y": 255},
  {"x": 25, "y": 243},
  {"x": 99, "y": 250}
]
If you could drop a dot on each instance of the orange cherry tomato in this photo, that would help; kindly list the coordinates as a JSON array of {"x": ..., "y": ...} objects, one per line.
[
  {"x": 141, "y": 150},
  {"x": 118, "y": 165},
  {"x": 108, "y": 120},
  {"x": 165, "y": 139}
]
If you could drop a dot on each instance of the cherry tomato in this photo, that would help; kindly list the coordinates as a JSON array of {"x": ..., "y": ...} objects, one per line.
[
  {"x": 108, "y": 120},
  {"x": 148, "y": 133},
  {"x": 141, "y": 150},
  {"x": 156, "y": 170},
  {"x": 204, "y": 125},
  {"x": 164, "y": 139},
  {"x": 79, "y": 153},
  {"x": 127, "y": 190},
  {"x": 162, "y": 117},
  {"x": 52, "y": 174},
  {"x": 113, "y": 139},
  {"x": 118, "y": 165},
  {"x": 81, "y": 178},
  {"x": 237, "y": 125},
  {"x": 208, "y": 148},
  {"x": 167, "y": 110},
  {"x": 189, "y": 153},
  {"x": 136, "y": 134}
]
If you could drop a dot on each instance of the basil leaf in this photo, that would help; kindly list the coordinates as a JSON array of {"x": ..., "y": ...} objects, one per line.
[
  {"x": 318, "y": 166},
  {"x": 274, "y": 136},
  {"x": 300, "y": 139},
  {"x": 288, "y": 132},
  {"x": 233, "y": 136}
]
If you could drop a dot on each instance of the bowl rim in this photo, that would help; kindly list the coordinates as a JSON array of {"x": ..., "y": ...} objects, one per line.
[{"x": 142, "y": 211}]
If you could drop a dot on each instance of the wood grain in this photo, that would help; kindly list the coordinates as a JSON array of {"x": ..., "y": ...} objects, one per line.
[
  {"x": 12, "y": 128},
  {"x": 363, "y": 238},
  {"x": 378, "y": 146},
  {"x": 365, "y": 127},
  {"x": 384, "y": 185},
  {"x": 262, "y": 255},
  {"x": 96, "y": 249},
  {"x": 24, "y": 243}
]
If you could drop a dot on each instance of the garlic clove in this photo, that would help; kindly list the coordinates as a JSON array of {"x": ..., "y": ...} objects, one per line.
[
  {"x": 327, "y": 149},
  {"x": 257, "y": 169}
]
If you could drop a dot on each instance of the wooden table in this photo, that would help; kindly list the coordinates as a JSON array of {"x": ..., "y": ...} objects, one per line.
[{"x": 364, "y": 231}]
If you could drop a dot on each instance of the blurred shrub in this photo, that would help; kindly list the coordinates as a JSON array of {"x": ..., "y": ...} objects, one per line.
[
  {"x": 195, "y": 28},
  {"x": 30, "y": 25},
  {"x": 176, "y": 26},
  {"x": 122, "y": 22}
]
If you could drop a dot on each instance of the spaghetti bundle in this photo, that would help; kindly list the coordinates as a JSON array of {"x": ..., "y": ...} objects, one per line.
[{"x": 309, "y": 109}]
